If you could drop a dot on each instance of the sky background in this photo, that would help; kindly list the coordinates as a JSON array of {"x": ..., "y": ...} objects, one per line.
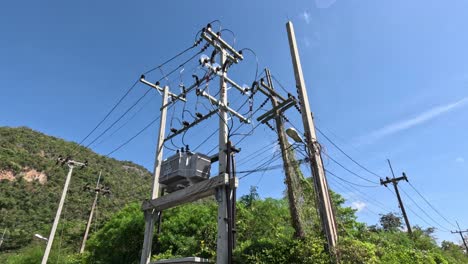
[{"x": 386, "y": 79}]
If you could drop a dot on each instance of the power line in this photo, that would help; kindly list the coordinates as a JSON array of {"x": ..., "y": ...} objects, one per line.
[
  {"x": 348, "y": 170},
  {"x": 433, "y": 208},
  {"x": 350, "y": 196},
  {"x": 348, "y": 156},
  {"x": 133, "y": 137},
  {"x": 110, "y": 112},
  {"x": 356, "y": 184},
  {"x": 412, "y": 211},
  {"x": 130, "y": 89},
  {"x": 422, "y": 210},
  {"x": 121, "y": 116}
]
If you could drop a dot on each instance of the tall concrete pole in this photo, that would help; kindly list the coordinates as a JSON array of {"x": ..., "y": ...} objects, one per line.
[
  {"x": 85, "y": 237},
  {"x": 3, "y": 236},
  {"x": 287, "y": 162},
  {"x": 71, "y": 164},
  {"x": 150, "y": 216},
  {"x": 222, "y": 252},
  {"x": 327, "y": 215}
]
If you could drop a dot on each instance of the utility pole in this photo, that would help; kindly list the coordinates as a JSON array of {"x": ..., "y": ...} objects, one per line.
[
  {"x": 97, "y": 190},
  {"x": 150, "y": 215},
  {"x": 287, "y": 162},
  {"x": 222, "y": 193},
  {"x": 71, "y": 164},
  {"x": 395, "y": 181},
  {"x": 459, "y": 231},
  {"x": 3, "y": 236},
  {"x": 327, "y": 215}
]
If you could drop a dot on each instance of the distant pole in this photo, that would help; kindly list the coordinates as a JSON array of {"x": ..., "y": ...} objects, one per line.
[
  {"x": 395, "y": 181},
  {"x": 327, "y": 215},
  {"x": 459, "y": 231},
  {"x": 71, "y": 164},
  {"x": 85, "y": 237},
  {"x": 3, "y": 236}
]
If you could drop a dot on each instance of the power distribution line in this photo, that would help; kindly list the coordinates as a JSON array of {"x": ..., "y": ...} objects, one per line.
[
  {"x": 422, "y": 210},
  {"x": 348, "y": 156},
  {"x": 430, "y": 205}
]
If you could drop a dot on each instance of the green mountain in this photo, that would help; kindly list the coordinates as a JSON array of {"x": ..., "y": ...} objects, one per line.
[{"x": 31, "y": 184}]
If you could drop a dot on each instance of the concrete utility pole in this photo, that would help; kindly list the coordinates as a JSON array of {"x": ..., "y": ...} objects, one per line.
[
  {"x": 395, "y": 181},
  {"x": 150, "y": 215},
  {"x": 71, "y": 164},
  {"x": 3, "y": 236},
  {"x": 222, "y": 255},
  {"x": 222, "y": 186},
  {"x": 97, "y": 190},
  {"x": 459, "y": 231},
  {"x": 287, "y": 163},
  {"x": 327, "y": 215}
]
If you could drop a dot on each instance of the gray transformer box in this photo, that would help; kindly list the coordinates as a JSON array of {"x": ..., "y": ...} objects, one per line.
[{"x": 184, "y": 169}]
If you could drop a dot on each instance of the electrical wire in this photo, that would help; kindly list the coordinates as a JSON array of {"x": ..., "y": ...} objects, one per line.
[
  {"x": 355, "y": 184},
  {"x": 422, "y": 210},
  {"x": 133, "y": 137},
  {"x": 430, "y": 205},
  {"x": 121, "y": 116},
  {"x": 348, "y": 156},
  {"x": 110, "y": 112},
  {"x": 348, "y": 170}
]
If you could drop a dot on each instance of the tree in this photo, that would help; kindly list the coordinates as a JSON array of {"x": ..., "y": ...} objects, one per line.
[{"x": 390, "y": 222}]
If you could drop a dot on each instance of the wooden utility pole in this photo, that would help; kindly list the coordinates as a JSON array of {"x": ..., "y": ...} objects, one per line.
[
  {"x": 97, "y": 191},
  {"x": 395, "y": 181},
  {"x": 459, "y": 231},
  {"x": 287, "y": 163},
  {"x": 327, "y": 215},
  {"x": 71, "y": 164}
]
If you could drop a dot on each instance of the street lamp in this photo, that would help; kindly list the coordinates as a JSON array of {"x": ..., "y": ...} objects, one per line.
[
  {"x": 292, "y": 133},
  {"x": 40, "y": 237}
]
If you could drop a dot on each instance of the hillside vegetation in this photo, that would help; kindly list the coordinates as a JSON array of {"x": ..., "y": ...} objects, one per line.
[{"x": 31, "y": 185}]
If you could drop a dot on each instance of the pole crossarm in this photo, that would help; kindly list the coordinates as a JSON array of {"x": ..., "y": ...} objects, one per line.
[
  {"x": 219, "y": 72},
  {"x": 280, "y": 107},
  {"x": 161, "y": 89},
  {"x": 461, "y": 231},
  {"x": 216, "y": 41},
  {"x": 216, "y": 102},
  {"x": 393, "y": 180},
  {"x": 196, "y": 122},
  {"x": 270, "y": 90},
  {"x": 192, "y": 193}
]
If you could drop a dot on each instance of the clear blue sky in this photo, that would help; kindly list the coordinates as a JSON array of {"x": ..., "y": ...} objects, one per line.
[{"x": 385, "y": 80}]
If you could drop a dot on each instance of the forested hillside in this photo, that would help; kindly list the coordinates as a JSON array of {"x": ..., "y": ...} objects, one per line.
[{"x": 31, "y": 183}]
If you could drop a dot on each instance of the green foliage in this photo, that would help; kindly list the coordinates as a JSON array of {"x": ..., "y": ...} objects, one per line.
[
  {"x": 120, "y": 239},
  {"x": 264, "y": 231},
  {"x": 28, "y": 208}
]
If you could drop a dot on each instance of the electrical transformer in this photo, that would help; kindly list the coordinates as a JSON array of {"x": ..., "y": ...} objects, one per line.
[{"x": 184, "y": 169}]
